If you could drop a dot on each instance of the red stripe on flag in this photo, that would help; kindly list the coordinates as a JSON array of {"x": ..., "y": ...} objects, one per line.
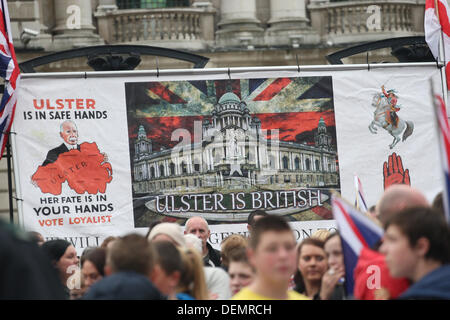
[
  {"x": 443, "y": 18},
  {"x": 352, "y": 224},
  {"x": 164, "y": 93},
  {"x": 273, "y": 89}
]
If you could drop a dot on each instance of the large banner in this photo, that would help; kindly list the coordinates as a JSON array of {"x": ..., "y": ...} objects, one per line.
[{"x": 101, "y": 155}]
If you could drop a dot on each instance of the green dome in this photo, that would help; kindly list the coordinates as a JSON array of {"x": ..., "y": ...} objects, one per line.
[{"x": 229, "y": 97}]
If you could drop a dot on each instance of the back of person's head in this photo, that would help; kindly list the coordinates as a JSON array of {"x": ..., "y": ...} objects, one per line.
[
  {"x": 168, "y": 267},
  {"x": 169, "y": 231},
  {"x": 130, "y": 253},
  {"x": 97, "y": 256},
  {"x": 55, "y": 249},
  {"x": 151, "y": 226},
  {"x": 192, "y": 241},
  {"x": 192, "y": 280},
  {"x": 107, "y": 241},
  {"x": 417, "y": 223},
  {"x": 36, "y": 237},
  {"x": 168, "y": 257},
  {"x": 269, "y": 223},
  {"x": 438, "y": 203},
  {"x": 229, "y": 244},
  {"x": 257, "y": 213},
  {"x": 397, "y": 198}
]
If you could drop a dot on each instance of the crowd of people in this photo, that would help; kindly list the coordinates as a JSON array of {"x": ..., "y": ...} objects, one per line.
[{"x": 412, "y": 261}]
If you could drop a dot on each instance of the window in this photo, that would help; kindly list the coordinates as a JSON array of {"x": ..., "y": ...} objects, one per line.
[
  {"x": 297, "y": 163},
  {"x": 152, "y": 172},
  {"x": 307, "y": 164},
  {"x": 285, "y": 163},
  {"x": 151, "y": 4}
]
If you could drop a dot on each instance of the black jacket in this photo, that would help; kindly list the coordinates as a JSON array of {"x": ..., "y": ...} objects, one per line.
[
  {"x": 53, "y": 154},
  {"x": 212, "y": 259},
  {"x": 25, "y": 270},
  {"x": 124, "y": 286}
]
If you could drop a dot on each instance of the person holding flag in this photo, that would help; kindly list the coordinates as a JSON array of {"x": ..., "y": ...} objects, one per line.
[
  {"x": 367, "y": 274},
  {"x": 9, "y": 70}
]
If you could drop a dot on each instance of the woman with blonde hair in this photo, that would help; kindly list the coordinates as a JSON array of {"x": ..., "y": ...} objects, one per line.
[{"x": 192, "y": 282}]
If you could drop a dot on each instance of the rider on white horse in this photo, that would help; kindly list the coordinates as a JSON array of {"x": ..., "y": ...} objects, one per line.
[{"x": 391, "y": 115}]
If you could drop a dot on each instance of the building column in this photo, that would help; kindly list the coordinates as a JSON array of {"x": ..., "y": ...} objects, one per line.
[
  {"x": 238, "y": 25},
  {"x": 29, "y": 24},
  {"x": 73, "y": 25},
  {"x": 289, "y": 24}
]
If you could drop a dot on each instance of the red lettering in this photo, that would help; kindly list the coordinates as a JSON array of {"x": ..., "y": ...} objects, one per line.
[
  {"x": 69, "y": 102},
  {"x": 48, "y": 105},
  {"x": 60, "y": 104},
  {"x": 51, "y": 222},
  {"x": 36, "y": 106},
  {"x": 79, "y": 103},
  {"x": 90, "y": 104}
]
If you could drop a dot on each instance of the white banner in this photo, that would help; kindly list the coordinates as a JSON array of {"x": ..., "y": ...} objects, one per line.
[{"x": 180, "y": 145}]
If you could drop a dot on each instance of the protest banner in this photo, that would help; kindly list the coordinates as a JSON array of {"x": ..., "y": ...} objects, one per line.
[{"x": 100, "y": 154}]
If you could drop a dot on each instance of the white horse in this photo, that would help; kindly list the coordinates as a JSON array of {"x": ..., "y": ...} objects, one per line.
[{"x": 381, "y": 105}]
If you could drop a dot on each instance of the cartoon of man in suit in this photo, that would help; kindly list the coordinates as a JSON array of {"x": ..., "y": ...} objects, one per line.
[{"x": 69, "y": 133}]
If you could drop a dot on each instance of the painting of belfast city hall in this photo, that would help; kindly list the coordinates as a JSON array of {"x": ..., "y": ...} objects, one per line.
[{"x": 234, "y": 154}]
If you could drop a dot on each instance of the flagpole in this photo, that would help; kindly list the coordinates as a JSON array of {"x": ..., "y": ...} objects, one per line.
[
  {"x": 441, "y": 54},
  {"x": 441, "y": 153}
]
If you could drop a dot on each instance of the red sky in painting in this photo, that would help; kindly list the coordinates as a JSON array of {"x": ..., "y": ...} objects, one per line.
[{"x": 289, "y": 124}]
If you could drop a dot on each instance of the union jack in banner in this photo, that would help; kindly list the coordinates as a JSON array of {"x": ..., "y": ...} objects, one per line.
[
  {"x": 360, "y": 201},
  {"x": 444, "y": 143},
  {"x": 9, "y": 70},
  {"x": 280, "y": 103},
  {"x": 357, "y": 231}
]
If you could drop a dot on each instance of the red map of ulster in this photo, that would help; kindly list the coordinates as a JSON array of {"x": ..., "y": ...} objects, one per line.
[{"x": 83, "y": 169}]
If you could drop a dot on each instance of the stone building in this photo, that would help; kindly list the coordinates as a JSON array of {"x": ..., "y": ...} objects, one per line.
[
  {"x": 231, "y": 33},
  {"x": 233, "y": 153}
]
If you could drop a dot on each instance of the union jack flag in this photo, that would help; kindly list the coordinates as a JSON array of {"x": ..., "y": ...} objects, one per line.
[
  {"x": 357, "y": 232},
  {"x": 281, "y": 103},
  {"x": 9, "y": 70},
  {"x": 444, "y": 143}
]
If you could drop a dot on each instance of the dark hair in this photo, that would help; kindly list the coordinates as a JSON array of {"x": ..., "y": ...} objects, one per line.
[
  {"x": 416, "y": 223},
  {"x": 438, "y": 203},
  {"x": 107, "y": 241},
  {"x": 253, "y": 214},
  {"x": 34, "y": 236},
  {"x": 55, "y": 249},
  {"x": 131, "y": 253},
  {"x": 239, "y": 255},
  {"x": 298, "y": 278},
  {"x": 265, "y": 224},
  {"x": 330, "y": 236},
  {"x": 168, "y": 257},
  {"x": 98, "y": 258}
]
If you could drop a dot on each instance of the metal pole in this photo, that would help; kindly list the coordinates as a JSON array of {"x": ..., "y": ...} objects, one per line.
[
  {"x": 10, "y": 187},
  {"x": 223, "y": 71}
]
